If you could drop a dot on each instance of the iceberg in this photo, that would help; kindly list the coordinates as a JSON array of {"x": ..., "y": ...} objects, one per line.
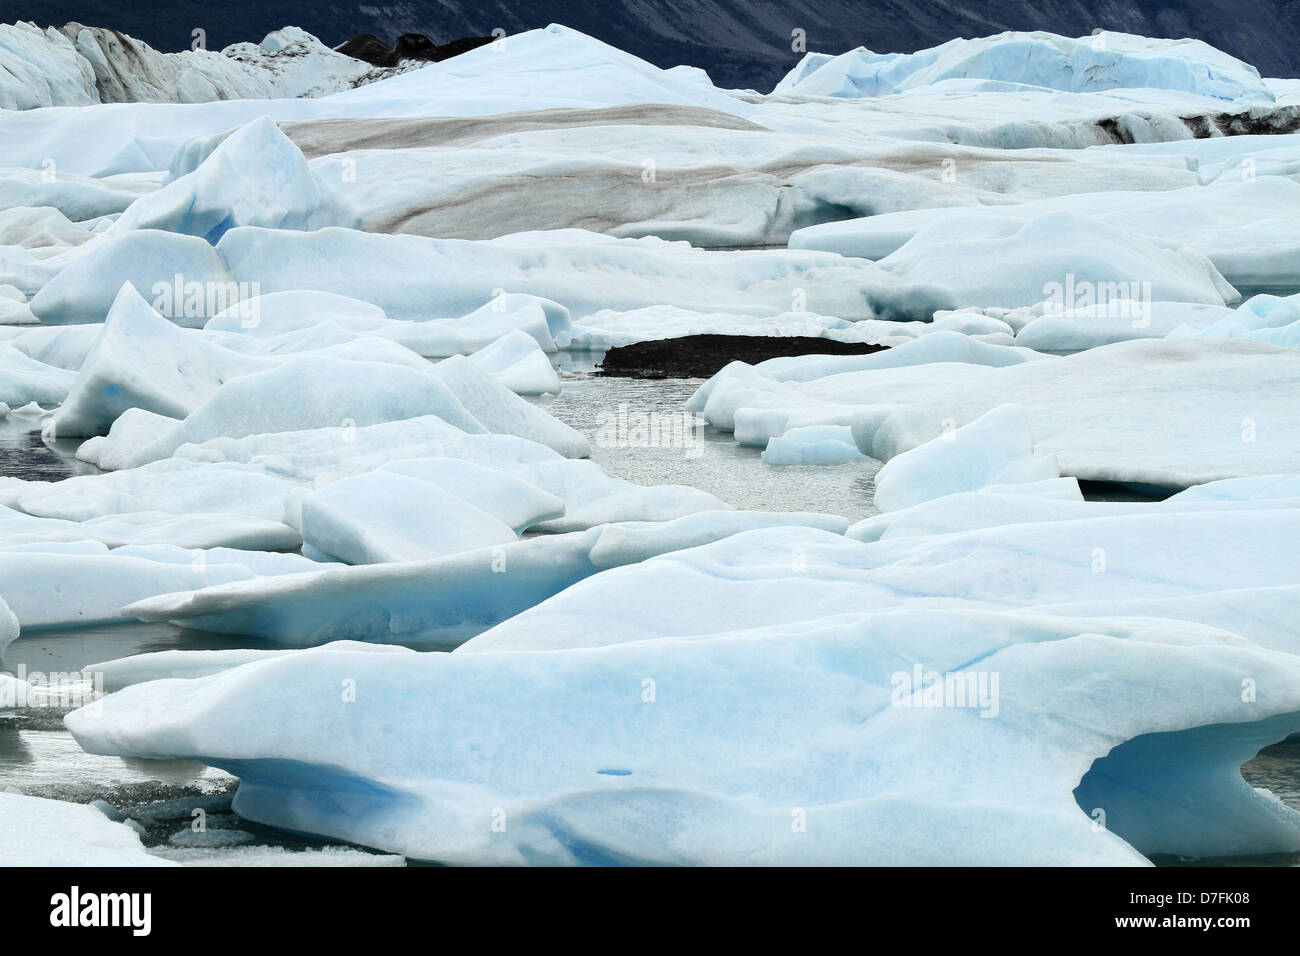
[
  {"x": 444, "y": 601},
  {"x": 995, "y": 449},
  {"x": 518, "y": 362},
  {"x": 24, "y": 380},
  {"x": 140, "y": 360},
  {"x": 384, "y": 516},
  {"x": 1245, "y": 226},
  {"x": 1196, "y": 410},
  {"x": 1104, "y": 61},
  {"x": 183, "y": 276},
  {"x": 8, "y": 626},
  {"x": 518, "y": 503},
  {"x": 39, "y": 832},
  {"x": 33, "y": 581},
  {"x": 841, "y": 761},
  {"x": 256, "y": 177}
]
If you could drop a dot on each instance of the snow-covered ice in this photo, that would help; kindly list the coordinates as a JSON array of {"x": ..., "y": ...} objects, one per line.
[
  {"x": 319, "y": 338},
  {"x": 39, "y": 832},
  {"x": 808, "y": 707},
  {"x": 1103, "y": 61},
  {"x": 995, "y": 449}
]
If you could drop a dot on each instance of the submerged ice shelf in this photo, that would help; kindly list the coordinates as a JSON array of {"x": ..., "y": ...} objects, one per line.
[{"x": 309, "y": 386}]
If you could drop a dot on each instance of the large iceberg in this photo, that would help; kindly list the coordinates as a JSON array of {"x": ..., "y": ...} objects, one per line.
[
  {"x": 795, "y": 744},
  {"x": 1103, "y": 61},
  {"x": 256, "y": 177}
]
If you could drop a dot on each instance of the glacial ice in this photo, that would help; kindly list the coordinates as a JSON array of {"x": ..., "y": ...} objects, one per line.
[
  {"x": 1245, "y": 225},
  {"x": 518, "y": 362},
  {"x": 498, "y": 410},
  {"x": 1195, "y": 407},
  {"x": 518, "y": 503},
  {"x": 384, "y": 517},
  {"x": 446, "y": 600},
  {"x": 806, "y": 704},
  {"x": 256, "y": 177},
  {"x": 1199, "y": 411},
  {"x": 995, "y": 449},
  {"x": 34, "y": 581},
  {"x": 141, "y": 360},
  {"x": 78, "y": 65},
  {"x": 813, "y": 445},
  {"x": 1104, "y": 61},
  {"x": 299, "y": 331},
  {"x": 24, "y": 380},
  {"x": 313, "y": 392},
  {"x": 183, "y": 276},
  {"x": 187, "y": 665},
  {"x": 35, "y": 831},
  {"x": 8, "y": 626}
]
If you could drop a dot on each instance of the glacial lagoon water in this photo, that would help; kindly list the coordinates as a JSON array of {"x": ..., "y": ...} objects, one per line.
[{"x": 39, "y": 757}]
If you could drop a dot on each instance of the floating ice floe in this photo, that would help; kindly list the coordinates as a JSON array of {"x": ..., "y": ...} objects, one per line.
[
  {"x": 39, "y": 832},
  {"x": 640, "y": 763},
  {"x": 1104, "y": 61},
  {"x": 995, "y": 449},
  {"x": 1247, "y": 228},
  {"x": 519, "y": 503},
  {"x": 9, "y": 626},
  {"x": 141, "y": 360},
  {"x": 188, "y": 665},
  {"x": 35, "y": 577},
  {"x": 24, "y": 380},
  {"x": 813, "y": 445},
  {"x": 177, "y": 486},
  {"x": 448, "y": 600},
  {"x": 256, "y": 177},
  {"x": 1197, "y": 411},
  {"x": 383, "y": 517},
  {"x": 182, "y": 276},
  {"x": 315, "y": 392},
  {"x": 192, "y": 531},
  {"x": 42, "y": 227},
  {"x": 1192, "y": 410},
  {"x": 303, "y": 320},
  {"x": 1265, "y": 318},
  {"x": 517, "y": 362},
  {"x": 411, "y": 276},
  {"x": 78, "y": 198}
]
